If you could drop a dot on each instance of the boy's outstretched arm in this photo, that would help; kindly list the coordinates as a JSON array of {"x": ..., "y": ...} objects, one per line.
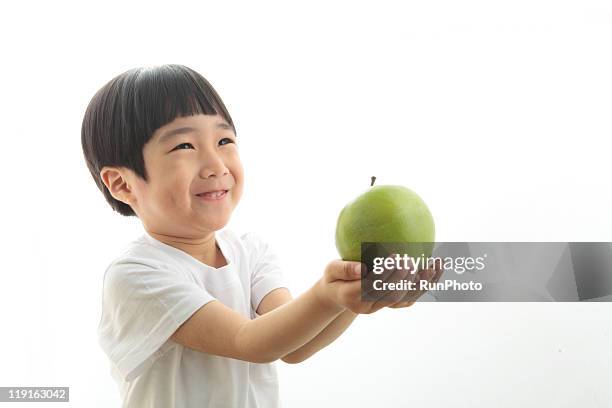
[
  {"x": 219, "y": 330},
  {"x": 331, "y": 332},
  {"x": 323, "y": 339}
]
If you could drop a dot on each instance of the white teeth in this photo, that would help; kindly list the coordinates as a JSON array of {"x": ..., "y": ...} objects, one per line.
[{"x": 214, "y": 194}]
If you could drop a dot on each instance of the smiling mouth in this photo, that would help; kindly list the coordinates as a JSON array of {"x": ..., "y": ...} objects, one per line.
[{"x": 213, "y": 195}]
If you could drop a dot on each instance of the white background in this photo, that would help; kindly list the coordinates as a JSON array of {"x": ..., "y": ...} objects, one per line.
[{"x": 496, "y": 113}]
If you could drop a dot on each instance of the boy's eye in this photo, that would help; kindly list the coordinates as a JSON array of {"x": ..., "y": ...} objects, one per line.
[
  {"x": 228, "y": 141},
  {"x": 182, "y": 144},
  {"x": 222, "y": 142}
]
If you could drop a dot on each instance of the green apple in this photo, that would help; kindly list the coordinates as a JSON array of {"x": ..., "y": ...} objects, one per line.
[{"x": 384, "y": 213}]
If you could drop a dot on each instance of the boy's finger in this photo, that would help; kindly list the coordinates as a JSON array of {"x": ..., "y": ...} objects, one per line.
[
  {"x": 376, "y": 306},
  {"x": 394, "y": 277},
  {"x": 399, "y": 305},
  {"x": 427, "y": 274},
  {"x": 343, "y": 270},
  {"x": 387, "y": 298},
  {"x": 437, "y": 275},
  {"x": 406, "y": 270},
  {"x": 390, "y": 275}
]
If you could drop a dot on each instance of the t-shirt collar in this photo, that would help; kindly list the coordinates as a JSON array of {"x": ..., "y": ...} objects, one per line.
[{"x": 184, "y": 255}]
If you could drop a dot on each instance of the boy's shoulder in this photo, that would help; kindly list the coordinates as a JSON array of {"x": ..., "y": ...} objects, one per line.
[
  {"x": 135, "y": 257},
  {"x": 143, "y": 251},
  {"x": 254, "y": 243},
  {"x": 250, "y": 246}
]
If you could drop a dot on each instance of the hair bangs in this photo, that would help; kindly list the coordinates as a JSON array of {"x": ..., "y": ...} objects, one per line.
[{"x": 172, "y": 91}]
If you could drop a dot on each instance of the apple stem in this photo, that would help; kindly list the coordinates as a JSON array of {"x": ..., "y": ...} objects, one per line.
[{"x": 373, "y": 180}]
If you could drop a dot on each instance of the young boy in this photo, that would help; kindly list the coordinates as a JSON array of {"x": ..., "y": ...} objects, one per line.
[{"x": 193, "y": 315}]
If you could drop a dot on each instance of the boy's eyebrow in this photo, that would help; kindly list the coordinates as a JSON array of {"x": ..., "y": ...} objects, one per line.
[{"x": 187, "y": 129}]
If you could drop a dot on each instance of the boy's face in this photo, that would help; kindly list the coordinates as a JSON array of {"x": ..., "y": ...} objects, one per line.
[{"x": 187, "y": 157}]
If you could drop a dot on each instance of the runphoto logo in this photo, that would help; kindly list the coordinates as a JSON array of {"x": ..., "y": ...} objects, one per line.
[{"x": 405, "y": 262}]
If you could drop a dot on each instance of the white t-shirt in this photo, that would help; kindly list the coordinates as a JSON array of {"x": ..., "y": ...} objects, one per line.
[{"x": 150, "y": 290}]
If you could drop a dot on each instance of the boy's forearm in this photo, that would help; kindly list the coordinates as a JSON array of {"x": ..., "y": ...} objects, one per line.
[
  {"x": 286, "y": 328},
  {"x": 324, "y": 338}
]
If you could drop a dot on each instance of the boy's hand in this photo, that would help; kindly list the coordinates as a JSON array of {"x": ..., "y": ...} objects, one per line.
[
  {"x": 432, "y": 274},
  {"x": 340, "y": 287}
]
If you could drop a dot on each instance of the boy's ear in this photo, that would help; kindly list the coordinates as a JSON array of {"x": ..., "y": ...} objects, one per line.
[{"x": 117, "y": 182}]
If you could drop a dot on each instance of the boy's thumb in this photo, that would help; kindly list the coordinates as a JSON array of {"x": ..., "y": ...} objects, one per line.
[
  {"x": 344, "y": 270},
  {"x": 352, "y": 270}
]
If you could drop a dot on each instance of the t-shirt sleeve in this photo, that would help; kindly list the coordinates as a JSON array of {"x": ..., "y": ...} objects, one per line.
[
  {"x": 142, "y": 306},
  {"x": 266, "y": 270}
]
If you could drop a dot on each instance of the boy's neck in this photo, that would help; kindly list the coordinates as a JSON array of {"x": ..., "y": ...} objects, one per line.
[{"x": 205, "y": 249}]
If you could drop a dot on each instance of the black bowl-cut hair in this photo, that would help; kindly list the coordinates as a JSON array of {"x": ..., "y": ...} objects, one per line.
[{"x": 123, "y": 115}]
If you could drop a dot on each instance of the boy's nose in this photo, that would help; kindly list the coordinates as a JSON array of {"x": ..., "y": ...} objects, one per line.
[{"x": 213, "y": 167}]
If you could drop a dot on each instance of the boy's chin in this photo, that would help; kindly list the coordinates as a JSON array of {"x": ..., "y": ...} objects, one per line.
[{"x": 214, "y": 225}]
